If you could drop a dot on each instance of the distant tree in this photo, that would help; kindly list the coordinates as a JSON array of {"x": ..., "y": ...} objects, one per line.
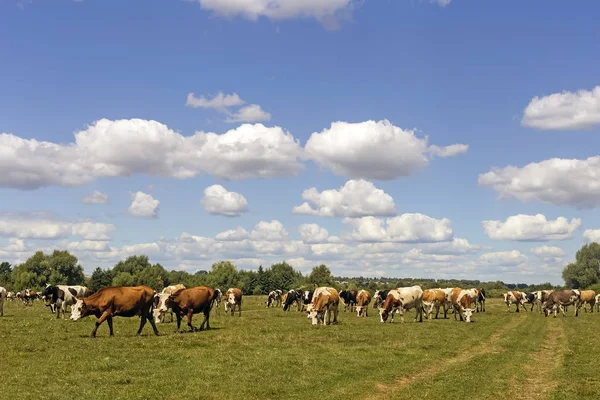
[
  {"x": 65, "y": 268},
  {"x": 585, "y": 271},
  {"x": 5, "y": 274},
  {"x": 39, "y": 269},
  {"x": 321, "y": 276},
  {"x": 100, "y": 278},
  {"x": 132, "y": 265},
  {"x": 224, "y": 275},
  {"x": 123, "y": 279}
]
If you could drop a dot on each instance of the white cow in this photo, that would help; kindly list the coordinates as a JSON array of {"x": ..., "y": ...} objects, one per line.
[
  {"x": 2, "y": 297},
  {"x": 63, "y": 296},
  {"x": 160, "y": 306},
  {"x": 400, "y": 300}
]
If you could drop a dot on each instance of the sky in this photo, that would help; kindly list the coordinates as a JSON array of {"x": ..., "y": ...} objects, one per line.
[{"x": 406, "y": 138}]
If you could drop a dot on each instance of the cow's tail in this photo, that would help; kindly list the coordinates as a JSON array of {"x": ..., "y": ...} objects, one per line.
[{"x": 215, "y": 298}]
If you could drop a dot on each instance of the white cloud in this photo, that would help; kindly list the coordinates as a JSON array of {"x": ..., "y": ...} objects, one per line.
[
  {"x": 313, "y": 233},
  {"x": 556, "y": 181},
  {"x": 218, "y": 200},
  {"x": 249, "y": 113},
  {"x": 548, "y": 251},
  {"x": 564, "y": 111},
  {"x": 412, "y": 228},
  {"x": 503, "y": 258},
  {"x": 357, "y": 198},
  {"x": 40, "y": 226},
  {"x": 143, "y": 205},
  {"x": 269, "y": 231},
  {"x": 369, "y": 150},
  {"x": 449, "y": 151},
  {"x": 87, "y": 245},
  {"x": 249, "y": 151},
  {"x": 325, "y": 11},
  {"x": 96, "y": 197},
  {"x": 456, "y": 246},
  {"x": 219, "y": 102},
  {"x": 441, "y": 3},
  {"x": 531, "y": 228},
  {"x": 234, "y": 234},
  {"x": 592, "y": 235}
]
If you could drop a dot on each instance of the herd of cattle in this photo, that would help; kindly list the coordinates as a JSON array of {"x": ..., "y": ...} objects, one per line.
[{"x": 320, "y": 304}]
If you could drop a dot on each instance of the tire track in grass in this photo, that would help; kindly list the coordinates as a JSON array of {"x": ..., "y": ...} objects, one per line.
[
  {"x": 539, "y": 381},
  {"x": 387, "y": 390}
]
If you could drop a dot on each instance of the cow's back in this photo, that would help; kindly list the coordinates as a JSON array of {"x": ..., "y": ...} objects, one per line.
[
  {"x": 193, "y": 298},
  {"x": 123, "y": 300}
]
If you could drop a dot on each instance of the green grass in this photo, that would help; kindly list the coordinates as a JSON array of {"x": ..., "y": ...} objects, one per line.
[{"x": 269, "y": 354}]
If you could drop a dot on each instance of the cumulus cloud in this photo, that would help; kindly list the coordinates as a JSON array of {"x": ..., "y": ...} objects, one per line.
[
  {"x": 449, "y": 151},
  {"x": 456, "y": 246},
  {"x": 143, "y": 205},
  {"x": 41, "y": 226},
  {"x": 219, "y": 201},
  {"x": 503, "y": 258},
  {"x": 592, "y": 235},
  {"x": 219, "y": 102},
  {"x": 564, "y": 111},
  {"x": 269, "y": 231},
  {"x": 403, "y": 228},
  {"x": 313, "y": 233},
  {"x": 369, "y": 150},
  {"x": 152, "y": 148},
  {"x": 236, "y": 234},
  {"x": 96, "y": 197},
  {"x": 249, "y": 113},
  {"x": 556, "y": 181},
  {"x": 548, "y": 251},
  {"x": 531, "y": 228},
  {"x": 357, "y": 198}
]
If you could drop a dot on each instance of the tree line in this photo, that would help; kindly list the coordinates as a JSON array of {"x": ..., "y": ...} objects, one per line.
[{"x": 62, "y": 267}]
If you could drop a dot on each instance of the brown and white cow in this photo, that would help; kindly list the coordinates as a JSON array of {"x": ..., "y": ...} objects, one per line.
[
  {"x": 588, "y": 297},
  {"x": 363, "y": 298},
  {"x": 401, "y": 300},
  {"x": 541, "y": 297},
  {"x": 462, "y": 303},
  {"x": 233, "y": 298},
  {"x": 514, "y": 297},
  {"x": 433, "y": 298},
  {"x": 325, "y": 302},
  {"x": 116, "y": 301},
  {"x": 160, "y": 308},
  {"x": 559, "y": 299},
  {"x": 187, "y": 302}
]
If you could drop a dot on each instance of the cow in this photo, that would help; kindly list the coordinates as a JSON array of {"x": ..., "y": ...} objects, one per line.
[
  {"x": 2, "y": 297},
  {"x": 561, "y": 298},
  {"x": 400, "y": 300},
  {"x": 233, "y": 298},
  {"x": 516, "y": 298},
  {"x": 363, "y": 298},
  {"x": 59, "y": 297},
  {"x": 588, "y": 297},
  {"x": 480, "y": 304},
  {"x": 462, "y": 303},
  {"x": 379, "y": 298},
  {"x": 349, "y": 297},
  {"x": 529, "y": 298},
  {"x": 542, "y": 298},
  {"x": 433, "y": 298},
  {"x": 27, "y": 296},
  {"x": 160, "y": 309},
  {"x": 293, "y": 296},
  {"x": 274, "y": 298},
  {"x": 11, "y": 296},
  {"x": 325, "y": 302},
  {"x": 116, "y": 301},
  {"x": 192, "y": 301},
  {"x": 307, "y": 297}
]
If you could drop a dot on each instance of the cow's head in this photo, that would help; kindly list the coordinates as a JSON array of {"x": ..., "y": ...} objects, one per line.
[
  {"x": 467, "y": 313},
  {"x": 160, "y": 307},
  {"x": 78, "y": 310},
  {"x": 383, "y": 314},
  {"x": 358, "y": 310}
]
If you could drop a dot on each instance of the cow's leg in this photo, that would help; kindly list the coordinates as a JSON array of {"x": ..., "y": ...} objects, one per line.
[
  {"x": 327, "y": 316},
  {"x": 109, "y": 321},
  {"x": 142, "y": 324},
  {"x": 577, "y": 306},
  {"x": 206, "y": 320},
  {"x": 190, "y": 314},
  {"x": 178, "y": 316},
  {"x": 100, "y": 320},
  {"x": 240, "y": 309},
  {"x": 151, "y": 320}
]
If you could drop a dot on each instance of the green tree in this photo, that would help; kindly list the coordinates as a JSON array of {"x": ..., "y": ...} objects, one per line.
[
  {"x": 65, "y": 268},
  {"x": 321, "y": 276},
  {"x": 100, "y": 278},
  {"x": 223, "y": 275},
  {"x": 283, "y": 276},
  {"x": 5, "y": 274},
  {"x": 132, "y": 265},
  {"x": 585, "y": 271},
  {"x": 123, "y": 279},
  {"x": 33, "y": 273}
]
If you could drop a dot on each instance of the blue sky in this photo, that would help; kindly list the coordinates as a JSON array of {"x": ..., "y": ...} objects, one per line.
[{"x": 510, "y": 83}]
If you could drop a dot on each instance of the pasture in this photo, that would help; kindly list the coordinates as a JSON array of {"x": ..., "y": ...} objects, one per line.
[{"x": 269, "y": 354}]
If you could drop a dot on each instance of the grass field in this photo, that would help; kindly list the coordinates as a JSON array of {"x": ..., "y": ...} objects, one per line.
[{"x": 269, "y": 354}]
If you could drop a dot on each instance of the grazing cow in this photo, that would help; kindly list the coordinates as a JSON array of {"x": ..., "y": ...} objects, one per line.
[
  {"x": 588, "y": 297},
  {"x": 325, "y": 302},
  {"x": 160, "y": 309},
  {"x": 274, "y": 298},
  {"x": 433, "y": 298},
  {"x": 293, "y": 296},
  {"x": 363, "y": 298},
  {"x": 516, "y": 298},
  {"x": 379, "y": 298},
  {"x": 529, "y": 298},
  {"x": 11, "y": 296},
  {"x": 400, "y": 300},
  {"x": 542, "y": 298},
  {"x": 27, "y": 296},
  {"x": 59, "y": 297},
  {"x": 2, "y": 297},
  {"x": 307, "y": 297},
  {"x": 349, "y": 297},
  {"x": 233, "y": 298},
  {"x": 462, "y": 303},
  {"x": 116, "y": 301},
  {"x": 192, "y": 301},
  {"x": 560, "y": 299}
]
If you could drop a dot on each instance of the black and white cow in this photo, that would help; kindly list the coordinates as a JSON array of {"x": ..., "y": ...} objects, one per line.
[
  {"x": 293, "y": 296},
  {"x": 274, "y": 298},
  {"x": 61, "y": 296},
  {"x": 307, "y": 297},
  {"x": 530, "y": 298},
  {"x": 349, "y": 297},
  {"x": 379, "y": 298}
]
